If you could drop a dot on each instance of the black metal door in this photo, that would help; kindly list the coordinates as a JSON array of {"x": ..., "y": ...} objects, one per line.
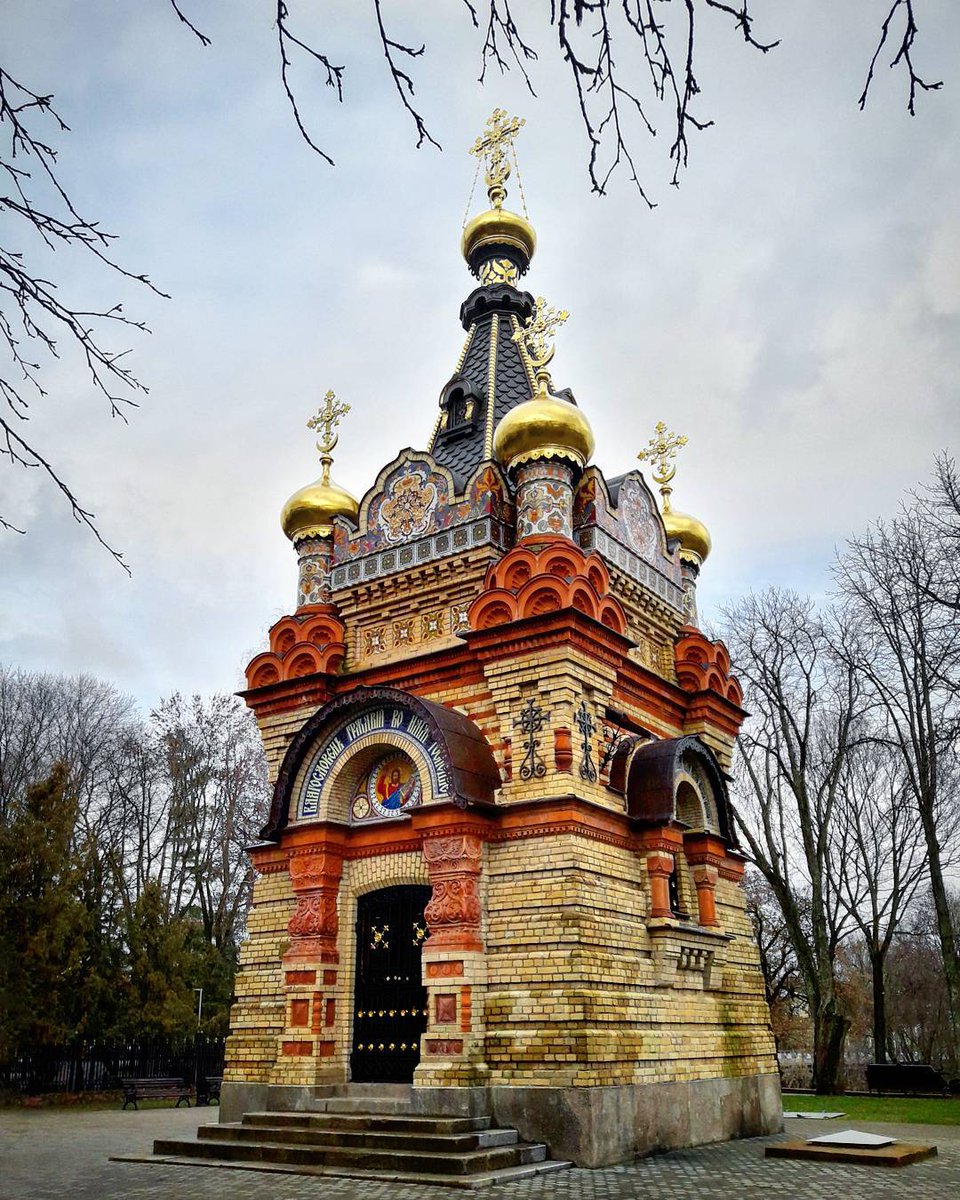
[{"x": 390, "y": 1002}]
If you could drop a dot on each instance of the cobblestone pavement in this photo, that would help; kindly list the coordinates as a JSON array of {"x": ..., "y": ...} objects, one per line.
[{"x": 63, "y": 1155}]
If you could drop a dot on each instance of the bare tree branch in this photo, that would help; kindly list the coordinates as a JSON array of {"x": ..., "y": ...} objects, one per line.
[
  {"x": 503, "y": 38},
  {"x": 404, "y": 83},
  {"x": 32, "y": 312},
  {"x": 904, "y": 55},
  {"x": 204, "y": 40},
  {"x": 285, "y": 39},
  {"x": 21, "y": 453}
]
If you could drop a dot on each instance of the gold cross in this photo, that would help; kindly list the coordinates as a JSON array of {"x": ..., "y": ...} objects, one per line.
[
  {"x": 327, "y": 419},
  {"x": 492, "y": 146},
  {"x": 534, "y": 336},
  {"x": 660, "y": 450}
]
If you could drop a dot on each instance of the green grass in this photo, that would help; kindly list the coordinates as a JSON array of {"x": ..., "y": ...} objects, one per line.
[{"x": 908, "y": 1110}]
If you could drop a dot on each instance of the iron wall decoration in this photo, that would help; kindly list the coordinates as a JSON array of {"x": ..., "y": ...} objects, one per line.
[
  {"x": 532, "y": 720},
  {"x": 390, "y": 1001},
  {"x": 586, "y": 724},
  {"x": 614, "y": 740}
]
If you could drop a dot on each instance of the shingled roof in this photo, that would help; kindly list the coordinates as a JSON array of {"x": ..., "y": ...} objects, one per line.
[{"x": 490, "y": 315}]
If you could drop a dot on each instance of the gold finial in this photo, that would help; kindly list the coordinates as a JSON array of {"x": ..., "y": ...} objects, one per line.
[
  {"x": 325, "y": 422},
  {"x": 660, "y": 450},
  {"x": 535, "y": 338},
  {"x": 493, "y": 147}
]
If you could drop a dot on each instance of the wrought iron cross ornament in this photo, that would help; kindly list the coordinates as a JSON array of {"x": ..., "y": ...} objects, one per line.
[
  {"x": 532, "y": 720},
  {"x": 586, "y": 724}
]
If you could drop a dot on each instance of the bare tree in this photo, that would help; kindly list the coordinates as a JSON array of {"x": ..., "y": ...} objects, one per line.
[
  {"x": 46, "y": 719},
  {"x": 907, "y": 651},
  {"x": 216, "y": 785},
  {"x": 918, "y": 1007},
  {"x": 629, "y": 62},
  {"x": 939, "y": 506},
  {"x": 804, "y": 709},
  {"x": 879, "y": 855},
  {"x": 783, "y": 982}
]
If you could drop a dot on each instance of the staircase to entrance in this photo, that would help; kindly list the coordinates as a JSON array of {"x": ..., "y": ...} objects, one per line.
[{"x": 365, "y": 1133}]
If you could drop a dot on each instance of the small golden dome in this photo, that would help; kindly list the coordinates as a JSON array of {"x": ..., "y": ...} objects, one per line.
[
  {"x": 310, "y": 511},
  {"x": 498, "y": 227},
  {"x": 693, "y": 535},
  {"x": 545, "y": 426}
]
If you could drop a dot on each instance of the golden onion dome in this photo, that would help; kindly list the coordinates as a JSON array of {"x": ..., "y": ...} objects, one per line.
[
  {"x": 498, "y": 227},
  {"x": 693, "y": 535},
  {"x": 545, "y": 426},
  {"x": 310, "y": 511}
]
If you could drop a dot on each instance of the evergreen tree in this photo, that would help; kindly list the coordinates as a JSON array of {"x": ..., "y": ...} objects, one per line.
[{"x": 45, "y": 928}]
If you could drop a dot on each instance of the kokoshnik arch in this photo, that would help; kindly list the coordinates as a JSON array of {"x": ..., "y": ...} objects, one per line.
[{"x": 500, "y": 863}]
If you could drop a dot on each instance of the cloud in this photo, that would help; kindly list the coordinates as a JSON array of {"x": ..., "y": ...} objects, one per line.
[{"x": 793, "y": 308}]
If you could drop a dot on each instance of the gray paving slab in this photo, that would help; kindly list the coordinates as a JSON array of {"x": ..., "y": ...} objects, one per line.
[{"x": 63, "y": 1154}]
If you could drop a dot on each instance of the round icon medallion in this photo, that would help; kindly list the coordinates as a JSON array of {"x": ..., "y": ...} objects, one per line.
[{"x": 394, "y": 785}]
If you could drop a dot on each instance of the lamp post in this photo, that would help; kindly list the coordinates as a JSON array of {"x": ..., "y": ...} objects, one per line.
[{"x": 199, "y": 1081}]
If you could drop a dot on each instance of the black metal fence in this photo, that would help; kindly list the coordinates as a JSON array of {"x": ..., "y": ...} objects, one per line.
[{"x": 99, "y": 1066}]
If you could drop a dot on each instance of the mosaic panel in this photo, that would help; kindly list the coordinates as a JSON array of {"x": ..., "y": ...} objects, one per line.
[
  {"x": 415, "y": 501},
  {"x": 477, "y": 533}
]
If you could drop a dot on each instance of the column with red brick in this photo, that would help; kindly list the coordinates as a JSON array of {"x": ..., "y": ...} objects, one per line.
[
  {"x": 454, "y": 965},
  {"x": 310, "y": 971}
]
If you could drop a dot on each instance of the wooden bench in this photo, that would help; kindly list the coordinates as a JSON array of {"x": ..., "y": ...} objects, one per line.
[
  {"x": 208, "y": 1090},
  {"x": 156, "y": 1089},
  {"x": 906, "y": 1078}
]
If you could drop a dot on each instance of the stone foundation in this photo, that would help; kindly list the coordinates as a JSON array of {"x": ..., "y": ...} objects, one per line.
[{"x": 591, "y": 1126}]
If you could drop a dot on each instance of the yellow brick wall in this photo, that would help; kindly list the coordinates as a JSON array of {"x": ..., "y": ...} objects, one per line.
[
  {"x": 573, "y": 988},
  {"x": 257, "y": 1016}
]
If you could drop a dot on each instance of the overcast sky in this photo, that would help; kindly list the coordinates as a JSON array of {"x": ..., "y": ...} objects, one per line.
[{"x": 794, "y": 307}]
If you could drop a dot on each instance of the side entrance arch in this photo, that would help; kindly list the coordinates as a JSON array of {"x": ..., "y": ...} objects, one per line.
[{"x": 389, "y": 999}]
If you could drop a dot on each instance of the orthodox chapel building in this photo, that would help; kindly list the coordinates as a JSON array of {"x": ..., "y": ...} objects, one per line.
[{"x": 500, "y": 868}]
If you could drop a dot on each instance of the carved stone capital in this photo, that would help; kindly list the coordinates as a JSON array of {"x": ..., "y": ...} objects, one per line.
[
  {"x": 460, "y": 852},
  {"x": 453, "y": 913},
  {"x": 659, "y": 863},
  {"x": 315, "y": 869},
  {"x": 315, "y": 915}
]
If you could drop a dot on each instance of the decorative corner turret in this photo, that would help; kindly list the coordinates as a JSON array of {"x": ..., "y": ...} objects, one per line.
[
  {"x": 691, "y": 534},
  {"x": 546, "y": 441},
  {"x": 307, "y": 517}
]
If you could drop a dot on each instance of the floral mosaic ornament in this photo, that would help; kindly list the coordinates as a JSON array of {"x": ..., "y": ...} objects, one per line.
[
  {"x": 407, "y": 509},
  {"x": 545, "y": 507},
  {"x": 637, "y": 519}
]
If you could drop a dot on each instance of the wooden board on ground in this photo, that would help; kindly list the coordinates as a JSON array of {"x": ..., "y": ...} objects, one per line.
[{"x": 900, "y": 1154}]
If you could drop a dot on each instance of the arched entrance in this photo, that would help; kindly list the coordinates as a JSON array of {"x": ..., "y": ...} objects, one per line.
[{"x": 390, "y": 1001}]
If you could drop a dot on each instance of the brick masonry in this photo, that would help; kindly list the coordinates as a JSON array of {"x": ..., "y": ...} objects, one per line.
[{"x": 590, "y": 965}]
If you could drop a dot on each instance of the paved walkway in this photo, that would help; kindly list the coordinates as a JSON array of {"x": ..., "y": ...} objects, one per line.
[{"x": 62, "y": 1154}]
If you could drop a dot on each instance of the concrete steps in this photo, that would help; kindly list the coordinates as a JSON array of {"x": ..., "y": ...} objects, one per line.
[{"x": 376, "y": 1141}]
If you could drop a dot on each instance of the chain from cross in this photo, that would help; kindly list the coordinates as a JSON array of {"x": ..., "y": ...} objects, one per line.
[
  {"x": 660, "y": 450},
  {"x": 326, "y": 420},
  {"x": 536, "y": 336},
  {"x": 493, "y": 146},
  {"x": 586, "y": 724}
]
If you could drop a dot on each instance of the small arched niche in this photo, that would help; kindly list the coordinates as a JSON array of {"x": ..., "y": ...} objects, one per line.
[{"x": 677, "y": 780}]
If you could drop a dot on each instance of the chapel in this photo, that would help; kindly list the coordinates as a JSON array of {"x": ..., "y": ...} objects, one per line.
[{"x": 500, "y": 869}]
